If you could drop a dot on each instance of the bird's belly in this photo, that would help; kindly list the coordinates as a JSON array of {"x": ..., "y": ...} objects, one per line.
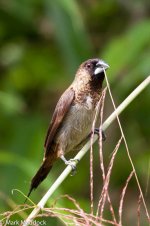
[{"x": 75, "y": 128}]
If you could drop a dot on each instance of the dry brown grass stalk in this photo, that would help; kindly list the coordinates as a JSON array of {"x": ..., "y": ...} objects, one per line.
[
  {"x": 101, "y": 158},
  {"x": 127, "y": 150},
  {"x": 107, "y": 180},
  {"x": 122, "y": 197},
  {"x": 100, "y": 107}
]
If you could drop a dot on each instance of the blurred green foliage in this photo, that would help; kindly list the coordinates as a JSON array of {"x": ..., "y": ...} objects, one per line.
[{"x": 41, "y": 45}]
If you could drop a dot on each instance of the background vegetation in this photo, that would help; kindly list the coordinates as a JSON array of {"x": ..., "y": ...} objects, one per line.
[{"x": 41, "y": 45}]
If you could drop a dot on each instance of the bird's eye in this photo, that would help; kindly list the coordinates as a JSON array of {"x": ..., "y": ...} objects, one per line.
[{"x": 88, "y": 65}]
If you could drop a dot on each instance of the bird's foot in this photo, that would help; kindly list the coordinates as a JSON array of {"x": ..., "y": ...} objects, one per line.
[
  {"x": 72, "y": 163},
  {"x": 97, "y": 131}
]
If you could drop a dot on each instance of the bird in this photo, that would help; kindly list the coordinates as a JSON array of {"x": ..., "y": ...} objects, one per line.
[{"x": 73, "y": 117}]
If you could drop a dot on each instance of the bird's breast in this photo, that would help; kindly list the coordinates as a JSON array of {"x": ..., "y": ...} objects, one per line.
[
  {"x": 76, "y": 125},
  {"x": 88, "y": 103}
]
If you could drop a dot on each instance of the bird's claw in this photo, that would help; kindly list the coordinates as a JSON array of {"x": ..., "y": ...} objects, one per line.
[
  {"x": 97, "y": 131},
  {"x": 72, "y": 163}
]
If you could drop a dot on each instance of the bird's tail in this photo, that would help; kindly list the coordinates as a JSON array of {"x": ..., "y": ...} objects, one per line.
[{"x": 40, "y": 176}]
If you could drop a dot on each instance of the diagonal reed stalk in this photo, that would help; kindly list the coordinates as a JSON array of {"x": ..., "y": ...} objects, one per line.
[{"x": 84, "y": 150}]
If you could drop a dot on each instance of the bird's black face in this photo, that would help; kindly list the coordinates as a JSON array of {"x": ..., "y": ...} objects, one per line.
[
  {"x": 95, "y": 67},
  {"x": 91, "y": 73}
]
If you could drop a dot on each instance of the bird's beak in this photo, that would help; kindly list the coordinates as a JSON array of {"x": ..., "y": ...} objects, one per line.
[{"x": 100, "y": 67}]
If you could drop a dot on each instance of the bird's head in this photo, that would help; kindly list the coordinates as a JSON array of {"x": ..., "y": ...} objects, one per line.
[
  {"x": 92, "y": 72},
  {"x": 95, "y": 68}
]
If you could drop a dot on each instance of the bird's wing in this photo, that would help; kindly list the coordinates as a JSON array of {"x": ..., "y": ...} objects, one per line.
[{"x": 61, "y": 109}]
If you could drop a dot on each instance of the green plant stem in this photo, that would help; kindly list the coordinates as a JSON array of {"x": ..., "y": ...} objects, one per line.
[{"x": 84, "y": 150}]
